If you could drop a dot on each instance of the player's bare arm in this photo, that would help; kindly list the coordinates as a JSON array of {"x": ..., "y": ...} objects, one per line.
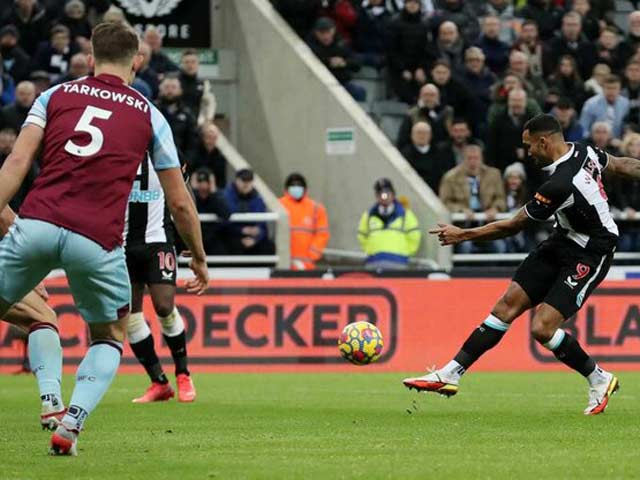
[
  {"x": 18, "y": 163},
  {"x": 624, "y": 167},
  {"x": 452, "y": 235},
  {"x": 186, "y": 220},
  {"x": 7, "y": 217}
]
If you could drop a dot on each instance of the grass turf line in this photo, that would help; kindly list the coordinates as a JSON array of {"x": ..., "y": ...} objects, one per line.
[{"x": 330, "y": 426}]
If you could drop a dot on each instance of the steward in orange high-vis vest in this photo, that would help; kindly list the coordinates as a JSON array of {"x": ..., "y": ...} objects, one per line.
[{"x": 308, "y": 222}]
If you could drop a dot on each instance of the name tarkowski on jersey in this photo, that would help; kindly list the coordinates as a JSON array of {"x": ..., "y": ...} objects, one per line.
[{"x": 104, "y": 94}]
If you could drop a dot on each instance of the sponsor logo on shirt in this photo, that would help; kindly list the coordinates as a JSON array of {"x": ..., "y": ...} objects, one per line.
[
  {"x": 542, "y": 199},
  {"x": 144, "y": 196}
]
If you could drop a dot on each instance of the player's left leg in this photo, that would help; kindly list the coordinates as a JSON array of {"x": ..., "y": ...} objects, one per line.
[
  {"x": 27, "y": 255},
  {"x": 172, "y": 324},
  {"x": 578, "y": 278},
  {"x": 33, "y": 315}
]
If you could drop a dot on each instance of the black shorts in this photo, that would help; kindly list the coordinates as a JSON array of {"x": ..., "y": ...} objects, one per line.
[
  {"x": 152, "y": 263},
  {"x": 561, "y": 273}
]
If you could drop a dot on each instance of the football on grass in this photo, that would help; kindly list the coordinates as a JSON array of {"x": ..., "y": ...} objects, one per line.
[{"x": 361, "y": 343}]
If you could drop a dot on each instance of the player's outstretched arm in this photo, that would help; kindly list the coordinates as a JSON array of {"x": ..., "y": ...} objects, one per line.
[
  {"x": 19, "y": 161},
  {"x": 186, "y": 220},
  {"x": 625, "y": 167},
  {"x": 452, "y": 235}
]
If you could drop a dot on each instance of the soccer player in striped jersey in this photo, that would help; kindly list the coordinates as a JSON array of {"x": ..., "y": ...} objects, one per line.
[
  {"x": 151, "y": 261},
  {"x": 561, "y": 272}
]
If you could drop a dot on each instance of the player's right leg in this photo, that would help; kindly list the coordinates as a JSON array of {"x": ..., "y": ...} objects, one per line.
[
  {"x": 445, "y": 381},
  {"x": 531, "y": 283},
  {"x": 173, "y": 332},
  {"x": 94, "y": 376},
  {"x": 99, "y": 283},
  {"x": 142, "y": 344}
]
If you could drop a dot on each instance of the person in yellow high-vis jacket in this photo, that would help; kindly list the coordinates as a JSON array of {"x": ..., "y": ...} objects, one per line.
[
  {"x": 308, "y": 222},
  {"x": 389, "y": 232}
]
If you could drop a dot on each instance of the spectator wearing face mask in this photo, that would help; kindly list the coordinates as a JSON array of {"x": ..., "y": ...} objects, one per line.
[
  {"x": 389, "y": 233},
  {"x": 180, "y": 118},
  {"x": 308, "y": 223}
]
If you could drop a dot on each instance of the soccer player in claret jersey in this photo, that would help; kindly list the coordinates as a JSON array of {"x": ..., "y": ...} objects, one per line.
[
  {"x": 561, "y": 272},
  {"x": 93, "y": 133},
  {"x": 151, "y": 261}
]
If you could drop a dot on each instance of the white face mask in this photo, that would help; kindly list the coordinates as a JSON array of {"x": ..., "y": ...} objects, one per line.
[
  {"x": 423, "y": 149},
  {"x": 386, "y": 210},
  {"x": 296, "y": 191}
]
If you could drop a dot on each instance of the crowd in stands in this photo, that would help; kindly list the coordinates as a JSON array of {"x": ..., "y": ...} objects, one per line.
[
  {"x": 472, "y": 73},
  {"x": 47, "y": 42}
]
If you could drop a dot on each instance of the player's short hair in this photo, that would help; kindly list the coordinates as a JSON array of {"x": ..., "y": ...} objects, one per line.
[
  {"x": 543, "y": 123},
  {"x": 114, "y": 43},
  {"x": 530, "y": 22}
]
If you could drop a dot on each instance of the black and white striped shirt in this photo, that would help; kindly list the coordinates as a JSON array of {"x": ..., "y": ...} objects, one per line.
[
  {"x": 147, "y": 218},
  {"x": 575, "y": 195}
]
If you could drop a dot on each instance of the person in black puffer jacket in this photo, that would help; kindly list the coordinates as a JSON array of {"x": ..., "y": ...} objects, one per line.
[
  {"x": 179, "y": 117},
  {"x": 546, "y": 15},
  {"x": 368, "y": 40},
  {"x": 407, "y": 42},
  {"x": 336, "y": 56},
  {"x": 31, "y": 21}
]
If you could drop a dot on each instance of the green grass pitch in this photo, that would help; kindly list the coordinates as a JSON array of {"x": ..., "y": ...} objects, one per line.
[{"x": 334, "y": 426}]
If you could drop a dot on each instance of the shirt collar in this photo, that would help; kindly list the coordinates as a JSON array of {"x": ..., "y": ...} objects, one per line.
[{"x": 552, "y": 168}]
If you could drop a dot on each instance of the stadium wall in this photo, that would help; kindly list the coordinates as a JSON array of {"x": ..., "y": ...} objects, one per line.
[
  {"x": 288, "y": 101},
  {"x": 293, "y": 325}
]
